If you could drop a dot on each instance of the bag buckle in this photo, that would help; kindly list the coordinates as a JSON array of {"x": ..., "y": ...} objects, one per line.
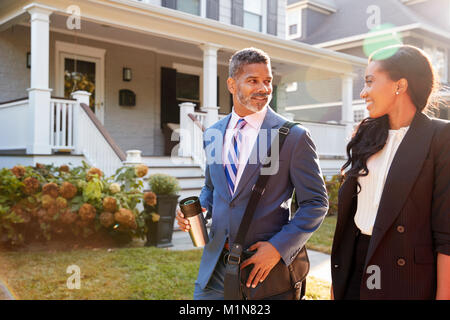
[
  {"x": 233, "y": 260},
  {"x": 284, "y": 130},
  {"x": 234, "y": 257}
]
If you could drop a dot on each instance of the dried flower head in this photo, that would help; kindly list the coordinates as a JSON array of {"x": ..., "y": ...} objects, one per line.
[
  {"x": 107, "y": 219},
  {"x": 125, "y": 217},
  {"x": 67, "y": 190},
  {"x": 110, "y": 204},
  {"x": 87, "y": 212},
  {"x": 47, "y": 201},
  {"x": 18, "y": 171},
  {"x": 68, "y": 217},
  {"x": 64, "y": 168},
  {"x": 155, "y": 216},
  {"x": 92, "y": 172},
  {"x": 61, "y": 203},
  {"x": 51, "y": 189},
  {"x": 114, "y": 187},
  {"x": 31, "y": 185},
  {"x": 150, "y": 198},
  {"x": 141, "y": 170}
]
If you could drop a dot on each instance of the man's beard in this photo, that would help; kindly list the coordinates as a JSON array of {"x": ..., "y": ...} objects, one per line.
[{"x": 246, "y": 102}]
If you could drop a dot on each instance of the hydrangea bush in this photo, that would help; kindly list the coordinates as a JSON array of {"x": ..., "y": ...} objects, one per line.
[{"x": 47, "y": 202}]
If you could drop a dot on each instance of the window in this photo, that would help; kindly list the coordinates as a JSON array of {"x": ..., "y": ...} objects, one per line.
[
  {"x": 189, "y": 6},
  {"x": 294, "y": 24},
  {"x": 253, "y": 15},
  {"x": 188, "y": 88},
  {"x": 439, "y": 60}
]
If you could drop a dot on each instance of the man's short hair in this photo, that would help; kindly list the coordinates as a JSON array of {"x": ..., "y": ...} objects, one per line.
[{"x": 244, "y": 57}]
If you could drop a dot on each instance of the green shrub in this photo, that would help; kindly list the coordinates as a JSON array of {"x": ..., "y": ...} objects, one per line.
[
  {"x": 47, "y": 202},
  {"x": 163, "y": 184}
]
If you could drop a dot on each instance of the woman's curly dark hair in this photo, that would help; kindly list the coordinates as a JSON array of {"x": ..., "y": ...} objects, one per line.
[{"x": 407, "y": 62}]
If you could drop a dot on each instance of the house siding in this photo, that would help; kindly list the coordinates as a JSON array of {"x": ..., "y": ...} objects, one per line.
[{"x": 14, "y": 74}]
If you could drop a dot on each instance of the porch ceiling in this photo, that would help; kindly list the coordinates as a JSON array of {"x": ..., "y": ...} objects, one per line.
[{"x": 169, "y": 31}]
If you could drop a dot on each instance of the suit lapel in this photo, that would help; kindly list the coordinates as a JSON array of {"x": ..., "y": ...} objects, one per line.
[
  {"x": 347, "y": 197},
  {"x": 270, "y": 122},
  {"x": 217, "y": 169},
  {"x": 404, "y": 170}
]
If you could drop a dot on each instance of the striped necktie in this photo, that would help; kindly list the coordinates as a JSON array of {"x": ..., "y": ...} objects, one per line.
[{"x": 231, "y": 168}]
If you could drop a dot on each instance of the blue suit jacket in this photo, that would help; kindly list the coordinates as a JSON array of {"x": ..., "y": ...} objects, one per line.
[{"x": 298, "y": 167}]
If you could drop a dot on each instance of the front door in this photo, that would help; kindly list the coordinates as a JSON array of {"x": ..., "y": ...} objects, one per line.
[{"x": 81, "y": 68}]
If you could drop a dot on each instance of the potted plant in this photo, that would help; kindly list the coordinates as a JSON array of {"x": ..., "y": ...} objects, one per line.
[{"x": 161, "y": 212}]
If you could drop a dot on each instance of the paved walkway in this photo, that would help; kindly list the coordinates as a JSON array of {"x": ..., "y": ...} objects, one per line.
[{"x": 320, "y": 264}]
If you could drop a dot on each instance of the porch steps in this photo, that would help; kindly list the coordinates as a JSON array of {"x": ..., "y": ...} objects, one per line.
[{"x": 189, "y": 175}]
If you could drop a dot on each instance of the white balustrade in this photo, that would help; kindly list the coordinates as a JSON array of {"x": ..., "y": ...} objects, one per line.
[
  {"x": 61, "y": 124},
  {"x": 95, "y": 147}
]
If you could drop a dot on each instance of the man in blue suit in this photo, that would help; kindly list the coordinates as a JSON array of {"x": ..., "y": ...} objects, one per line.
[{"x": 235, "y": 147}]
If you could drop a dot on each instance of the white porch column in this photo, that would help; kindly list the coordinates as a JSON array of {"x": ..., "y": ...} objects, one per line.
[
  {"x": 186, "y": 129},
  {"x": 347, "y": 117},
  {"x": 81, "y": 97},
  {"x": 39, "y": 92},
  {"x": 209, "y": 98}
]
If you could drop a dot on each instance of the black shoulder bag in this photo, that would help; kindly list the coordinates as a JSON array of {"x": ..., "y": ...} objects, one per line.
[{"x": 283, "y": 282}]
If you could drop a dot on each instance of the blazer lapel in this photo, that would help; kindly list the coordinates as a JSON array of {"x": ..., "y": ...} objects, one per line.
[
  {"x": 217, "y": 169},
  {"x": 404, "y": 170},
  {"x": 270, "y": 122},
  {"x": 347, "y": 198}
]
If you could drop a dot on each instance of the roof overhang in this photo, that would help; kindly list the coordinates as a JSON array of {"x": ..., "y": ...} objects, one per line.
[
  {"x": 180, "y": 26},
  {"x": 357, "y": 40}
]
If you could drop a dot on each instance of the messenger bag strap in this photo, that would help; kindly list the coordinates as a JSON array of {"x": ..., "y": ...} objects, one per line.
[{"x": 232, "y": 283}]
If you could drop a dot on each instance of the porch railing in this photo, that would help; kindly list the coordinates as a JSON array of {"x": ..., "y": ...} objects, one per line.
[
  {"x": 95, "y": 143},
  {"x": 62, "y": 124}
]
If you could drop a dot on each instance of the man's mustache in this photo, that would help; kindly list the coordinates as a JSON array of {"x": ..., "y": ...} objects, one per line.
[{"x": 260, "y": 95}]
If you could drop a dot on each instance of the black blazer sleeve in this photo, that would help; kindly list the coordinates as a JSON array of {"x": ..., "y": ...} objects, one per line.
[{"x": 441, "y": 190}]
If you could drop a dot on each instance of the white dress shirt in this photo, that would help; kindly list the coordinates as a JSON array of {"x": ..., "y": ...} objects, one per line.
[
  {"x": 249, "y": 135},
  {"x": 372, "y": 185}
]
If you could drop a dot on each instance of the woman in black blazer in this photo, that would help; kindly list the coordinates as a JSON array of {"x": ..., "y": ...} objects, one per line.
[{"x": 392, "y": 238}]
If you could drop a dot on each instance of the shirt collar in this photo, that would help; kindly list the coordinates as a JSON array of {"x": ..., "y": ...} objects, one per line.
[{"x": 255, "y": 119}]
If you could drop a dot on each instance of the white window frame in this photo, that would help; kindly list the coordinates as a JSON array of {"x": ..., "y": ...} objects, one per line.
[
  {"x": 263, "y": 16},
  {"x": 299, "y": 24},
  {"x": 202, "y": 12}
]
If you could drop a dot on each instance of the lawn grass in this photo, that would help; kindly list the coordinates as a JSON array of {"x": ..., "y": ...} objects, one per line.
[
  {"x": 130, "y": 273},
  {"x": 322, "y": 238},
  {"x": 123, "y": 274}
]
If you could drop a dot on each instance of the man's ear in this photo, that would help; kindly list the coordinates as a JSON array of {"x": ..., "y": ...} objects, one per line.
[{"x": 231, "y": 84}]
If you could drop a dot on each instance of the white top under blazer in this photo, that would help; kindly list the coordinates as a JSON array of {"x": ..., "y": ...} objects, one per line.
[{"x": 372, "y": 185}]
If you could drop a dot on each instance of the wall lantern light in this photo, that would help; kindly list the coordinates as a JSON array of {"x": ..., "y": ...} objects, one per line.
[{"x": 126, "y": 74}]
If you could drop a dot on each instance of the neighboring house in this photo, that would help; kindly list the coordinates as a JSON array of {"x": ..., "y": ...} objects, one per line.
[
  {"x": 91, "y": 79},
  {"x": 359, "y": 27}
]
